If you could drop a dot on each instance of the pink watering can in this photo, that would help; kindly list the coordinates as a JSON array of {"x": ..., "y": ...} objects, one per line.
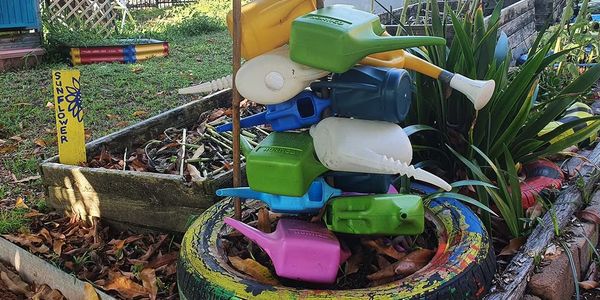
[{"x": 299, "y": 250}]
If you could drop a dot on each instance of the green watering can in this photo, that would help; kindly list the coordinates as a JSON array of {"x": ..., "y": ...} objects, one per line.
[
  {"x": 284, "y": 163},
  {"x": 337, "y": 37},
  {"x": 385, "y": 214}
]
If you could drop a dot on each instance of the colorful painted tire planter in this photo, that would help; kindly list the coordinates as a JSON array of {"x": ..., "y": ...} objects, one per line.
[
  {"x": 540, "y": 175},
  {"x": 462, "y": 267},
  {"x": 126, "y": 51}
]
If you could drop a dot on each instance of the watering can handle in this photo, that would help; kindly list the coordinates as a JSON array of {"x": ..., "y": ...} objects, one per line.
[
  {"x": 382, "y": 44},
  {"x": 342, "y": 85}
]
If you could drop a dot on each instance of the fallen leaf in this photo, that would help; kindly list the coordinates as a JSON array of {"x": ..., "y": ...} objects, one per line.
[
  {"x": 552, "y": 250},
  {"x": 33, "y": 214},
  {"x": 378, "y": 246},
  {"x": 513, "y": 246},
  {"x": 264, "y": 224},
  {"x": 50, "y": 105},
  {"x": 198, "y": 152},
  {"x": 251, "y": 267},
  {"x": 46, "y": 235},
  {"x": 122, "y": 124},
  {"x": 588, "y": 284},
  {"x": 194, "y": 173},
  {"x": 137, "y": 69},
  {"x": 354, "y": 262},
  {"x": 382, "y": 262},
  {"x": 111, "y": 117},
  {"x": 125, "y": 286},
  {"x": 40, "y": 143},
  {"x": 20, "y": 203},
  {"x": 89, "y": 292},
  {"x": 16, "y": 138},
  {"x": 8, "y": 148},
  {"x": 140, "y": 113},
  {"x": 23, "y": 240},
  {"x": 43, "y": 249},
  {"x": 57, "y": 246},
  {"x": 387, "y": 272},
  {"x": 148, "y": 277},
  {"x": 414, "y": 261},
  {"x": 15, "y": 285}
]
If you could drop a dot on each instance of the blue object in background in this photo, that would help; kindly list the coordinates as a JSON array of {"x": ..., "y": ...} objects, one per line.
[
  {"x": 361, "y": 182},
  {"x": 19, "y": 14},
  {"x": 301, "y": 111},
  {"x": 318, "y": 194},
  {"x": 502, "y": 47},
  {"x": 370, "y": 93}
]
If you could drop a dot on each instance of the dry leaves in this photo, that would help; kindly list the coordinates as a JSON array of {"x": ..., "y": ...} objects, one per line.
[
  {"x": 513, "y": 246},
  {"x": 379, "y": 247},
  {"x": 107, "y": 259},
  {"x": 414, "y": 261},
  {"x": 249, "y": 266},
  {"x": 89, "y": 292}
]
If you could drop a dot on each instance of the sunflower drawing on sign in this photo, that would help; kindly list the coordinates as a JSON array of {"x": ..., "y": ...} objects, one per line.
[{"x": 74, "y": 99}]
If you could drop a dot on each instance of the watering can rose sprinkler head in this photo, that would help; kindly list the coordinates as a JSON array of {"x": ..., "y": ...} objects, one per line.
[{"x": 354, "y": 145}]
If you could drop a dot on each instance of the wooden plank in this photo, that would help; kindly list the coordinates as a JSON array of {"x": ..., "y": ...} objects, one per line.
[
  {"x": 36, "y": 270},
  {"x": 514, "y": 279},
  {"x": 116, "y": 207},
  {"x": 161, "y": 189}
]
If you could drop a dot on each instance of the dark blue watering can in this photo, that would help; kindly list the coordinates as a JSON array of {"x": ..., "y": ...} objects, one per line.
[
  {"x": 370, "y": 93},
  {"x": 361, "y": 182},
  {"x": 363, "y": 92},
  {"x": 317, "y": 196}
]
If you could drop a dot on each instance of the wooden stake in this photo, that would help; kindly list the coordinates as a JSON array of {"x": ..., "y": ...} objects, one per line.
[{"x": 237, "y": 57}]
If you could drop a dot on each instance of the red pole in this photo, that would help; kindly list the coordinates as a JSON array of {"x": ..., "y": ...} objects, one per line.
[{"x": 237, "y": 53}]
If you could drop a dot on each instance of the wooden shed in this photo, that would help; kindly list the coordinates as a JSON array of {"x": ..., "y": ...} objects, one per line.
[{"x": 20, "y": 37}]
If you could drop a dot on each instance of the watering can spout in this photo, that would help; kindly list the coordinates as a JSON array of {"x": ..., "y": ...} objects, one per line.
[
  {"x": 245, "y": 146},
  {"x": 254, "y": 120},
  {"x": 381, "y": 44},
  {"x": 265, "y": 241}
]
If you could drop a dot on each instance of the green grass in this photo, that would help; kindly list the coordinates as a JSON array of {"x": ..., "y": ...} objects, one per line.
[
  {"x": 12, "y": 220},
  {"x": 200, "y": 50}
]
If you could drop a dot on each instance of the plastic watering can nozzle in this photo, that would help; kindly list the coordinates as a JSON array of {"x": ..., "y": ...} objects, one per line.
[
  {"x": 273, "y": 77},
  {"x": 266, "y": 23},
  {"x": 245, "y": 146},
  {"x": 299, "y": 250},
  {"x": 318, "y": 194},
  {"x": 409, "y": 170},
  {"x": 303, "y": 110}
]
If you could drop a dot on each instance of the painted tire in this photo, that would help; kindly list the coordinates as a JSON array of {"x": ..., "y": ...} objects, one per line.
[
  {"x": 540, "y": 175},
  {"x": 462, "y": 267}
]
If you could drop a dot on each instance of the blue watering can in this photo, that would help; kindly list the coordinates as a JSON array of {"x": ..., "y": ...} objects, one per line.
[
  {"x": 301, "y": 111},
  {"x": 317, "y": 196},
  {"x": 364, "y": 92},
  {"x": 361, "y": 182}
]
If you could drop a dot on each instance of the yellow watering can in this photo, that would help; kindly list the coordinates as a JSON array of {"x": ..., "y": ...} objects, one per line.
[{"x": 266, "y": 24}]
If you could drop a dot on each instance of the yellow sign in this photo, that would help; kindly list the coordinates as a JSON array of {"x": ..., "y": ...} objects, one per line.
[{"x": 69, "y": 117}]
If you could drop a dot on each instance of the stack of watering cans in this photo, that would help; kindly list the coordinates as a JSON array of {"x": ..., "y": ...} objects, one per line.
[{"x": 334, "y": 147}]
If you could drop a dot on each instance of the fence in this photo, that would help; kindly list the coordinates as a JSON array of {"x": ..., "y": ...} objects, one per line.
[{"x": 138, "y": 4}]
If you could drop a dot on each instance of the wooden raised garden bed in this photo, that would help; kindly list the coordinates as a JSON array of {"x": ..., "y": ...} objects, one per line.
[{"x": 148, "y": 200}]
